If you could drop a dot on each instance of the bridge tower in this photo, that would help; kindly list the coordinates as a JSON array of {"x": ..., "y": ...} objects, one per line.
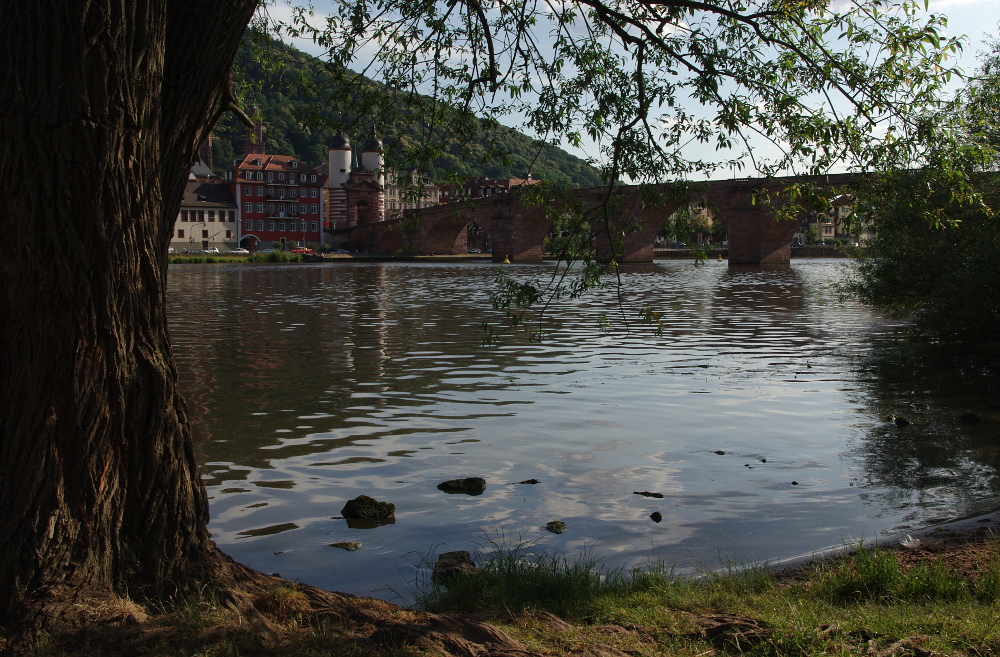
[{"x": 340, "y": 174}]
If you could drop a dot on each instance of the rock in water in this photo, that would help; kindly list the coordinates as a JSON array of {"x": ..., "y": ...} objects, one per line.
[
  {"x": 453, "y": 564},
  {"x": 656, "y": 516},
  {"x": 556, "y": 526},
  {"x": 968, "y": 418},
  {"x": 350, "y": 546},
  {"x": 363, "y": 506},
  {"x": 468, "y": 486},
  {"x": 646, "y": 493}
]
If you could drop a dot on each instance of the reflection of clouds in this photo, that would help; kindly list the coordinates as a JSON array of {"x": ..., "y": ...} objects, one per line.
[{"x": 399, "y": 408}]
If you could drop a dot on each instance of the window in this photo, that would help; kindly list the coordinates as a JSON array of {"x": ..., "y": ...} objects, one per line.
[
  {"x": 281, "y": 192},
  {"x": 295, "y": 165},
  {"x": 270, "y": 224},
  {"x": 260, "y": 207},
  {"x": 201, "y": 216},
  {"x": 281, "y": 177},
  {"x": 312, "y": 178},
  {"x": 184, "y": 216},
  {"x": 232, "y": 215},
  {"x": 270, "y": 190},
  {"x": 302, "y": 177},
  {"x": 247, "y": 225},
  {"x": 302, "y": 208},
  {"x": 281, "y": 225},
  {"x": 313, "y": 226},
  {"x": 270, "y": 176},
  {"x": 260, "y": 175},
  {"x": 315, "y": 192},
  {"x": 314, "y": 208},
  {"x": 294, "y": 193},
  {"x": 248, "y": 207},
  {"x": 211, "y": 216},
  {"x": 229, "y": 234},
  {"x": 248, "y": 190},
  {"x": 260, "y": 224},
  {"x": 180, "y": 234},
  {"x": 270, "y": 208},
  {"x": 293, "y": 226},
  {"x": 260, "y": 190},
  {"x": 204, "y": 234}
]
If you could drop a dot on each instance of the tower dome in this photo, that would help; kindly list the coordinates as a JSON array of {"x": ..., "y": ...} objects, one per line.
[{"x": 340, "y": 142}]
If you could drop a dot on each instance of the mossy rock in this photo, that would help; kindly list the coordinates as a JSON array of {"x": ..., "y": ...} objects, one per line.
[
  {"x": 363, "y": 506},
  {"x": 350, "y": 546}
]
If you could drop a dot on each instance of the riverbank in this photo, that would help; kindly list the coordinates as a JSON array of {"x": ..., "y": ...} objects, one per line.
[
  {"x": 936, "y": 597},
  {"x": 658, "y": 254}
]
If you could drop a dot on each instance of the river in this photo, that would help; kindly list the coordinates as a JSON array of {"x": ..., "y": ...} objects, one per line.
[{"x": 759, "y": 414}]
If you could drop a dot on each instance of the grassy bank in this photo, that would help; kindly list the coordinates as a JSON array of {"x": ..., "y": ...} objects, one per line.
[
  {"x": 274, "y": 256},
  {"x": 872, "y": 601}
]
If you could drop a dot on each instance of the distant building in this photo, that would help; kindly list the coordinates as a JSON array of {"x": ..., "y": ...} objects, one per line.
[
  {"x": 207, "y": 218},
  {"x": 482, "y": 187},
  {"x": 818, "y": 227}
]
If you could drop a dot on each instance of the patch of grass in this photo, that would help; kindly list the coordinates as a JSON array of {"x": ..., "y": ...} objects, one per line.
[
  {"x": 987, "y": 588},
  {"x": 866, "y": 574},
  {"x": 513, "y": 578},
  {"x": 871, "y": 574},
  {"x": 271, "y": 257},
  {"x": 283, "y": 602}
]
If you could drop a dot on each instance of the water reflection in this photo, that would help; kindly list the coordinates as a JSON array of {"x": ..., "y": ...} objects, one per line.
[
  {"x": 758, "y": 414},
  {"x": 937, "y": 466}
]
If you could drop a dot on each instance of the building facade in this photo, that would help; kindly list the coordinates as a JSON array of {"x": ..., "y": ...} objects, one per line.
[
  {"x": 278, "y": 201},
  {"x": 207, "y": 218}
]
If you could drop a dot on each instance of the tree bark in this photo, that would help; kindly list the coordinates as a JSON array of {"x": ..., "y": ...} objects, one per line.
[{"x": 103, "y": 104}]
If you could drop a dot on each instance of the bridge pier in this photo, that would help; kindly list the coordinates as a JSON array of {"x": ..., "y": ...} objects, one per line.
[
  {"x": 518, "y": 231},
  {"x": 755, "y": 238}
]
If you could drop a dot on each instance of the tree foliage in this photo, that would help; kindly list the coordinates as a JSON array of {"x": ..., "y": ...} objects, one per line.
[
  {"x": 935, "y": 254},
  {"x": 667, "y": 89}
]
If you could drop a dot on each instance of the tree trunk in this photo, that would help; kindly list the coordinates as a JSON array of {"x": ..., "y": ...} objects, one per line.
[{"x": 103, "y": 104}]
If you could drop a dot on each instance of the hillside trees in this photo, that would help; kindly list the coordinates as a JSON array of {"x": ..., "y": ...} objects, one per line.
[{"x": 104, "y": 104}]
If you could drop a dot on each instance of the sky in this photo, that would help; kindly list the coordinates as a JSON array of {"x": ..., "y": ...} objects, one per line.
[{"x": 976, "y": 19}]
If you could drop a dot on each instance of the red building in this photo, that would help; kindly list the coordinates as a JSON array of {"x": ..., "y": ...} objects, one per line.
[{"x": 278, "y": 200}]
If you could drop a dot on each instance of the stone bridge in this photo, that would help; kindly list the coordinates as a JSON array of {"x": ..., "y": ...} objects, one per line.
[{"x": 516, "y": 230}]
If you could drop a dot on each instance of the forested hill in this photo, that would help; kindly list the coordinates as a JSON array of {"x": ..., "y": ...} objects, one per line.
[{"x": 302, "y": 106}]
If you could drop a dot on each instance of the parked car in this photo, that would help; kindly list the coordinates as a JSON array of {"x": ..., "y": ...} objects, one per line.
[
  {"x": 301, "y": 250},
  {"x": 211, "y": 249},
  {"x": 240, "y": 252},
  {"x": 341, "y": 251},
  {"x": 474, "y": 251}
]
